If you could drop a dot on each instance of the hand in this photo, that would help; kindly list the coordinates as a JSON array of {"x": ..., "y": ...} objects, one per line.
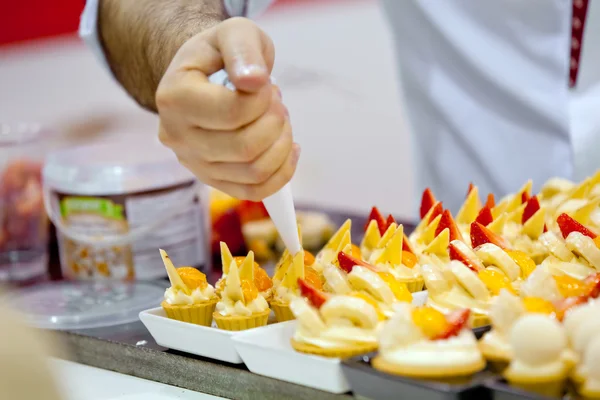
[{"x": 239, "y": 142}]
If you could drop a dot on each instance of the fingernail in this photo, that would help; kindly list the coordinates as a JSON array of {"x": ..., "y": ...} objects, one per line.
[
  {"x": 279, "y": 93},
  {"x": 287, "y": 112},
  {"x": 244, "y": 70},
  {"x": 296, "y": 154}
]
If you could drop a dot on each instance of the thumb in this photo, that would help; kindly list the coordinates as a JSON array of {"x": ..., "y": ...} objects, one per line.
[{"x": 247, "y": 52}]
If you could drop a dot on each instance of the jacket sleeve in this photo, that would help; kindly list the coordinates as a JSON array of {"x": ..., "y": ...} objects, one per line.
[{"x": 88, "y": 25}]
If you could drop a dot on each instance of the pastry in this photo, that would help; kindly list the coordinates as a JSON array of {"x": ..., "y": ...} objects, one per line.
[
  {"x": 423, "y": 343},
  {"x": 241, "y": 305},
  {"x": 455, "y": 287},
  {"x": 333, "y": 325},
  {"x": 540, "y": 361},
  {"x": 286, "y": 287},
  {"x": 263, "y": 283},
  {"x": 190, "y": 298},
  {"x": 389, "y": 256}
]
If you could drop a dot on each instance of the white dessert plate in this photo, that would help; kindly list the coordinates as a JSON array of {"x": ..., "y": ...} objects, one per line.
[
  {"x": 204, "y": 341},
  {"x": 267, "y": 351}
]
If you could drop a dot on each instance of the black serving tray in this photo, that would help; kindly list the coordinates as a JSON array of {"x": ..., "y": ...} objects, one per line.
[
  {"x": 501, "y": 390},
  {"x": 366, "y": 381}
]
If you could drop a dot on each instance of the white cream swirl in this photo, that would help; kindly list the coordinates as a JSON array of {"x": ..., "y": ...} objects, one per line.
[
  {"x": 177, "y": 297},
  {"x": 228, "y": 307}
]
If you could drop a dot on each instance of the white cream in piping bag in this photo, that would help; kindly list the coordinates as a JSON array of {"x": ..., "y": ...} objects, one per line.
[{"x": 279, "y": 205}]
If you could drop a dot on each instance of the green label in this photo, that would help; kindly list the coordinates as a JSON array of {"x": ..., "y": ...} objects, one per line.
[{"x": 91, "y": 205}]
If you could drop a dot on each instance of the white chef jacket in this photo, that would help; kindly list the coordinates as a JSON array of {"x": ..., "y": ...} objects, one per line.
[{"x": 486, "y": 87}]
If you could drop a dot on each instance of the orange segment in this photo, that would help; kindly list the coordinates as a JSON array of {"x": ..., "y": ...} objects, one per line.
[
  {"x": 597, "y": 241},
  {"x": 312, "y": 276},
  {"x": 399, "y": 289},
  {"x": 240, "y": 259},
  {"x": 250, "y": 291},
  {"x": 495, "y": 281},
  {"x": 431, "y": 322},
  {"x": 192, "y": 278},
  {"x": 409, "y": 259},
  {"x": 309, "y": 259},
  {"x": 570, "y": 287},
  {"x": 371, "y": 301},
  {"x": 525, "y": 262},
  {"x": 539, "y": 306},
  {"x": 261, "y": 279},
  {"x": 356, "y": 253}
]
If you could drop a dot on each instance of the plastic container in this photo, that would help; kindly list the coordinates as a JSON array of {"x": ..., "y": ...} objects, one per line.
[
  {"x": 23, "y": 221},
  {"x": 84, "y": 305},
  {"x": 115, "y": 204}
]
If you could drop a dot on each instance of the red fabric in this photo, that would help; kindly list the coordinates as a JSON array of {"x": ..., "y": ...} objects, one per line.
[{"x": 580, "y": 8}]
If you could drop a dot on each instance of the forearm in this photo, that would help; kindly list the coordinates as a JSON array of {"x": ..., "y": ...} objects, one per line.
[{"x": 140, "y": 38}]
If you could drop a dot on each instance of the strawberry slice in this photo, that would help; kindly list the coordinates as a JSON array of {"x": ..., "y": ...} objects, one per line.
[
  {"x": 482, "y": 235},
  {"x": 427, "y": 201},
  {"x": 406, "y": 246},
  {"x": 390, "y": 220},
  {"x": 563, "y": 306},
  {"x": 524, "y": 197},
  {"x": 347, "y": 262},
  {"x": 378, "y": 217},
  {"x": 545, "y": 228},
  {"x": 568, "y": 225},
  {"x": 491, "y": 201},
  {"x": 448, "y": 222},
  {"x": 316, "y": 297},
  {"x": 471, "y": 187},
  {"x": 532, "y": 206},
  {"x": 593, "y": 284},
  {"x": 457, "y": 321},
  {"x": 456, "y": 254},
  {"x": 485, "y": 216},
  {"x": 438, "y": 208}
]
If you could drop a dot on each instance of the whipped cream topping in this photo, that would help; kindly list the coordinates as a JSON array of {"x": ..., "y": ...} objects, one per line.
[
  {"x": 541, "y": 284},
  {"x": 178, "y": 297},
  {"x": 227, "y": 307}
]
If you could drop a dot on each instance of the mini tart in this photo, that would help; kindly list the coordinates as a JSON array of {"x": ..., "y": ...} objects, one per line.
[
  {"x": 334, "y": 326},
  {"x": 387, "y": 256},
  {"x": 241, "y": 305},
  {"x": 262, "y": 281},
  {"x": 539, "y": 364},
  {"x": 290, "y": 270},
  {"x": 339, "y": 240},
  {"x": 200, "y": 312},
  {"x": 457, "y": 287},
  {"x": 422, "y": 343}
]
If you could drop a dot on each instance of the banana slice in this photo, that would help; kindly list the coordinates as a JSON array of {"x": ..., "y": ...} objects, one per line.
[
  {"x": 584, "y": 246},
  {"x": 362, "y": 278},
  {"x": 468, "y": 252},
  {"x": 354, "y": 309},
  {"x": 469, "y": 281},
  {"x": 335, "y": 280},
  {"x": 435, "y": 281},
  {"x": 490, "y": 254},
  {"x": 541, "y": 284},
  {"x": 556, "y": 246},
  {"x": 307, "y": 316},
  {"x": 554, "y": 186}
]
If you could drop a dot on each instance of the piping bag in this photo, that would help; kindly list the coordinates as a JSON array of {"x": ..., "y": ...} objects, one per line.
[{"x": 280, "y": 205}]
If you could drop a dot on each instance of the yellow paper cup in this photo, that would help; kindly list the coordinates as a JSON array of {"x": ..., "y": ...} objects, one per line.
[
  {"x": 282, "y": 311},
  {"x": 346, "y": 352},
  {"x": 240, "y": 323}
]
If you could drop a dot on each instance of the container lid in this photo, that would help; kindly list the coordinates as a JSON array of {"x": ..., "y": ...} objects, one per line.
[
  {"x": 85, "y": 305},
  {"x": 118, "y": 167}
]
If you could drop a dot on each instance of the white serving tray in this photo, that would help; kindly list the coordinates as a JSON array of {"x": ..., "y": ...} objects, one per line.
[
  {"x": 204, "y": 341},
  {"x": 267, "y": 351}
]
